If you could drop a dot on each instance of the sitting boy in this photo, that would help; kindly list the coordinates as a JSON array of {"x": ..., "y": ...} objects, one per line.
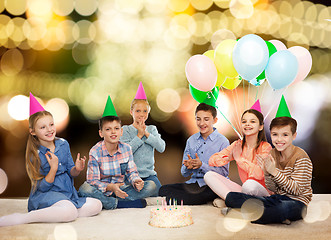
[
  {"x": 288, "y": 173},
  {"x": 112, "y": 176},
  {"x": 199, "y": 148}
]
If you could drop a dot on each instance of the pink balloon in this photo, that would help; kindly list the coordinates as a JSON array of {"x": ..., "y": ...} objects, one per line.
[
  {"x": 201, "y": 72},
  {"x": 278, "y": 45},
  {"x": 305, "y": 62}
]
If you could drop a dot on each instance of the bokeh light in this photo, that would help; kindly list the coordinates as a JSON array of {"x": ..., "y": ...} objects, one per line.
[
  {"x": 252, "y": 209},
  {"x": 60, "y": 111},
  {"x": 168, "y": 100},
  {"x": 317, "y": 211},
  {"x": 221, "y": 35},
  {"x": 241, "y": 9},
  {"x": 12, "y": 62},
  {"x": 3, "y": 181},
  {"x": 18, "y": 107},
  {"x": 234, "y": 221},
  {"x": 16, "y": 7},
  {"x": 65, "y": 232},
  {"x": 86, "y": 7},
  {"x": 178, "y": 5},
  {"x": 63, "y": 7}
]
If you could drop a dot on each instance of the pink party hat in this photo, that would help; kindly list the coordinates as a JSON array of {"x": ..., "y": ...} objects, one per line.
[
  {"x": 35, "y": 105},
  {"x": 140, "y": 92},
  {"x": 257, "y": 106}
]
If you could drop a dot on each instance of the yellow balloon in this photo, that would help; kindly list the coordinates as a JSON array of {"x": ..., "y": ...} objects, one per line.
[
  {"x": 223, "y": 58},
  {"x": 220, "y": 79},
  {"x": 210, "y": 54},
  {"x": 231, "y": 83}
]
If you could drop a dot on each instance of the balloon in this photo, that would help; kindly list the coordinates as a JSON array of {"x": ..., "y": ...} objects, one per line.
[
  {"x": 205, "y": 97},
  {"x": 272, "y": 49},
  {"x": 223, "y": 58},
  {"x": 231, "y": 83},
  {"x": 282, "y": 69},
  {"x": 201, "y": 72},
  {"x": 250, "y": 56},
  {"x": 278, "y": 44},
  {"x": 305, "y": 61},
  {"x": 220, "y": 76}
]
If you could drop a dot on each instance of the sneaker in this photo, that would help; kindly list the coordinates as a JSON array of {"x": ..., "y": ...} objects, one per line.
[
  {"x": 225, "y": 211},
  {"x": 219, "y": 203}
]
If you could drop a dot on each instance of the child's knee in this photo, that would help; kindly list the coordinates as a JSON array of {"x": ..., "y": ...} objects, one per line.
[
  {"x": 150, "y": 187},
  {"x": 85, "y": 189},
  {"x": 208, "y": 176}
]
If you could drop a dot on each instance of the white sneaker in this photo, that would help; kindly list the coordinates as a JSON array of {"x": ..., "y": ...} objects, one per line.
[
  {"x": 153, "y": 201},
  {"x": 225, "y": 211},
  {"x": 219, "y": 203}
]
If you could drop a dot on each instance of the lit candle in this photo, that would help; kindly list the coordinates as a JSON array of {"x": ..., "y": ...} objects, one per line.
[
  {"x": 157, "y": 203},
  {"x": 182, "y": 202}
]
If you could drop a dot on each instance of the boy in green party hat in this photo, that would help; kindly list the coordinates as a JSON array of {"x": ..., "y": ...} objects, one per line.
[
  {"x": 112, "y": 175},
  {"x": 288, "y": 173}
]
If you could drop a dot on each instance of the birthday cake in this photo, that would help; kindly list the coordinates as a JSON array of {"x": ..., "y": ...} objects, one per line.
[{"x": 171, "y": 217}]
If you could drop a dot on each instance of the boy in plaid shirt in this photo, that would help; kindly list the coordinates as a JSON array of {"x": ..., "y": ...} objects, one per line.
[{"x": 112, "y": 175}]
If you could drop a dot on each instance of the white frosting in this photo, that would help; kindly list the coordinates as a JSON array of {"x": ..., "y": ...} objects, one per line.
[{"x": 166, "y": 218}]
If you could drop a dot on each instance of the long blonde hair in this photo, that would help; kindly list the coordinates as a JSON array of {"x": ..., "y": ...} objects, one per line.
[
  {"x": 32, "y": 160},
  {"x": 135, "y": 101}
]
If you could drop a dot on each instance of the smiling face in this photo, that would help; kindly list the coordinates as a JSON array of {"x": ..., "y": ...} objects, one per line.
[
  {"x": 205, "y": 122},
  {"x": 250, "y": 124},
  {"x": 44, "y": 129},
  {"x": 140, "y": 111},
  {"x": 282, "y": 137},
  {"x": 111, "y": 132}
]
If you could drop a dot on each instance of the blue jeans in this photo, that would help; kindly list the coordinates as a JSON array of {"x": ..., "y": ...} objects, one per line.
[
  {"x": 277, "y": 208},
  {"x": 157, "y": 183},
  {"x": 110, "y": 202}
]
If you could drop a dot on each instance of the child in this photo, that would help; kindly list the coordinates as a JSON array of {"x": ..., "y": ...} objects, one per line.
[
  {"x": 288, "y": 173},
  {"x": 50, "y": 167},
  {"x": 143, "y": 139},
  {"x": 112, "y": 175},
  {"x": 199, "y": 147},
  {"x": 244, "y": 153}
]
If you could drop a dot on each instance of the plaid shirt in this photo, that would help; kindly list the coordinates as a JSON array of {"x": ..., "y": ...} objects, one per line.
[{"x": 103, "y": 168}]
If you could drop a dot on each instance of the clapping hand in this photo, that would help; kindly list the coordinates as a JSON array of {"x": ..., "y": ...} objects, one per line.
[
  {"x": 139, "y": 184},
  {"x": 270, "y": 165},
  {"x": 52, "y": 160},
  {"x": 237, "y": 151}
]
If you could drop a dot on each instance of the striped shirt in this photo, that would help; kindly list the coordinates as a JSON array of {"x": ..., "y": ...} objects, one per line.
[
  {"x": 103, "y": 168},
  {"x": 294, "y": 176}
]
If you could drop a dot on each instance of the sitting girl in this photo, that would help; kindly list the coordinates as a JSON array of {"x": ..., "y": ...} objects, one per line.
[
  {"x": 244, "y": 153},
  {"x": 51, "y": 169}
]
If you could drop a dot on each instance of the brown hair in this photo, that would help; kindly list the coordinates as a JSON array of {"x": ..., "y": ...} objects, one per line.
[
  {"x": 135, "y": 101},
  {"x": 105, "y": 119},
  {"x": 207, "y": 108},
  {"x": 284, "y": 121},
  {"x": 32, "y": 160},
  {"x": 261, "y": 136}
]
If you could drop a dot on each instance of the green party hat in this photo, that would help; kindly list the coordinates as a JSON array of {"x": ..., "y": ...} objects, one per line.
[
  {"x": 109, "y": 109},
  {"x": 283, "y": 109}
]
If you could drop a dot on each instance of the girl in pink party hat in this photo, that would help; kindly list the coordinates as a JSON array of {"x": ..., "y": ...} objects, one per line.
[
  {"x": 144, "y": 139},
  {"x": 50, "y": 167},
  {"x": 244, "y": 153}
]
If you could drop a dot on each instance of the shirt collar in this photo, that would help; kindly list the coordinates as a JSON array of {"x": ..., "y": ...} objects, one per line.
[
  {"x": 211, "y": 136},
  {"x": 105, "y": 151},
  {"x": 58, "y": 142}
]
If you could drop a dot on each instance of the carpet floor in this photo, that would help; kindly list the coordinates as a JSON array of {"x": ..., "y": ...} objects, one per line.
[{"x": 133, "y": 224}]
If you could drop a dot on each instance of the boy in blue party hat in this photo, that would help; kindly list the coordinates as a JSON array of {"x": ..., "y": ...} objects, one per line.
[
  {"x": 288, "y": 173},
  {"x": 112, "y": 176}
]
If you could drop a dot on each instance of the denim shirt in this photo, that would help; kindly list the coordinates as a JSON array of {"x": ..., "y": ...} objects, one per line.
[{"x": 215, "y": 142}]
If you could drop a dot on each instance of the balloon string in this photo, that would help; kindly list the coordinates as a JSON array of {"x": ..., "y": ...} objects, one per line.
[
  {"x": 257, "y": 91},
  {"x": 274, "y": 102},
  {"x": 238, "y": 111},
  {"x": 244, "y": 92},
  {"x": 226, "y": 118}
]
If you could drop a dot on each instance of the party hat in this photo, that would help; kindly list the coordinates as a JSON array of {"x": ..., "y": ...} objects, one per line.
[
  {"x": 109, "y": 109},
  {"x": 35, "y": 105},
  {"x": 256, "y": 106},
  {"x": 140, "y": 92},
  {"x": 283, "y": 109}
]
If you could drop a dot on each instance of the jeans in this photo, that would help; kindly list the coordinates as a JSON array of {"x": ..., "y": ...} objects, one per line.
[
  {"x": 190, "y": 193},
  {"x": 110, "y": 202},
  {"x": 157, "y": 183},
  {"x": 277, "y": 208}
]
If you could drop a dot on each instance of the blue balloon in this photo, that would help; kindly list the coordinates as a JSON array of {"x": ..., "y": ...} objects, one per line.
[
  {"x": 250, "y": 56},
  {"x": 282, "y": 69}
]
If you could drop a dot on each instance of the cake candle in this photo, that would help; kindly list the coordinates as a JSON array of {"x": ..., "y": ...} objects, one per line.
[{"x": 157, "y": 203}]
